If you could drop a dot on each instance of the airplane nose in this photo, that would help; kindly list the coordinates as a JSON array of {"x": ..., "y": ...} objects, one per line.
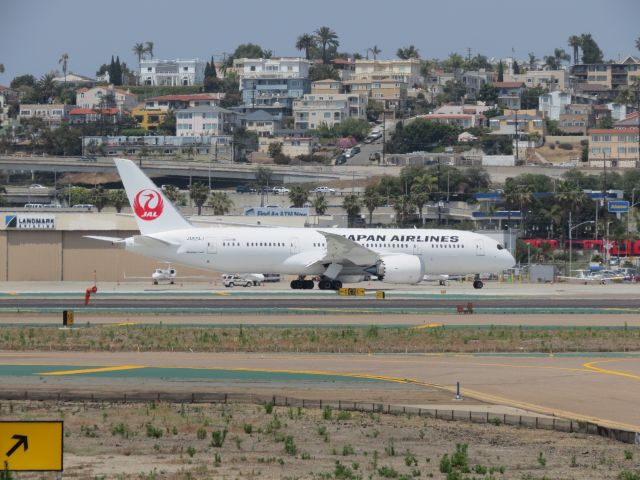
[{"x": 509, "y": 260}]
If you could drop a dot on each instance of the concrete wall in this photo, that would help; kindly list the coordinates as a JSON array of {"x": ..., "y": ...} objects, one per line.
[{"x": 34, "y": 255}]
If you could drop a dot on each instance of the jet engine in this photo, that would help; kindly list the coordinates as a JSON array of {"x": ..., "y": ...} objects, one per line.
[{"x": 400, "y": 268}]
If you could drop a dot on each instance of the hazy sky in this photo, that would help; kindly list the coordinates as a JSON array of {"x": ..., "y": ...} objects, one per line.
[{"x": 34, "y": 33}]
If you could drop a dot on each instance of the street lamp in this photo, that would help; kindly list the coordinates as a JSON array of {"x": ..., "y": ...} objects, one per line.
[{"x": 571, "y": 240}]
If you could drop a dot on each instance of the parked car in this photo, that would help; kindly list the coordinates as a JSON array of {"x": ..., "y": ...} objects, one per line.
[
  {"x": 341, "y": 159},
  {"x": 280, "y": 190},
  {"x": 37, "y": 186},
  {"x": 245, "y": 189},
  {"x": 85, "y": 206},
  {"x": 323, "y": 189},
  {"x": 233, "y": 280}
]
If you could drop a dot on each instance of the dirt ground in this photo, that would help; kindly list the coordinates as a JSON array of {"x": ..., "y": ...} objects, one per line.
[{"x": 184, "y": 441}]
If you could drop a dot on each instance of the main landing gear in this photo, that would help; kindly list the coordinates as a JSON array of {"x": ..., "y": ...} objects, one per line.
[
  {"x": 477, "y": 283},
  {"x": 324, "y": 284}
]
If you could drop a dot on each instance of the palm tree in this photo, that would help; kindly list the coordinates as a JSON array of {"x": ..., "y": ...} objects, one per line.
[
  {"x": 198, "y": 192},
  {"x": 327, "y": 38},
  {"x": 172, "y": 193},
  {"x": 320, "y": 204},
  {"x": 375, "y": 51},
  {"x": 637, "y": 46},
  {"x": 532, "y": 60},
  {"x": 421, "y": 188},
  {"x": 554, "y": 62},
  {"x": 298, "y": 196},
  {"x": 371, "y": 200},
  {"x": 351, "y": 204},
  {"x": 220, "y": 203},
  {"x": 1, "y": 67},
  {"x": 140, "y": 52},
  {"x": 408, "y": 52},
  {"x": 575, "y": 42},
  {"x": 64, "y": 60},
  {"x": 306, "y": 42},
  {"x": 118, "y": 198},
  {"x": 149, "y": 48},
  {"x": 403, "y": 208},
  {"x": 46, "y": 87},
  {"x": 99, "y": 198}
]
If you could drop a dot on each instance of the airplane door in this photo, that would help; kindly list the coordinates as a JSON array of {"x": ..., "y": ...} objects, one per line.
[
  {"x": 295, "y": 245},
  {"x": 212, "y": 245},
  {"x": 479, "y": 247}
]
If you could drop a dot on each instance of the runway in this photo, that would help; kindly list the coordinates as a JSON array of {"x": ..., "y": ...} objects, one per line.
[{"x": 597, "y": 388}]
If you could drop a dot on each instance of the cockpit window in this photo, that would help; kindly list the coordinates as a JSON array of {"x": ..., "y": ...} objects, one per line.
[{"x": 500, "y": 247}]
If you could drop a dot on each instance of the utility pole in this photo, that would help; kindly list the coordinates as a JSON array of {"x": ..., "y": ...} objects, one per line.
[
  {"x": 516, "y": 136},
  {"x": 384, "y": 135}
]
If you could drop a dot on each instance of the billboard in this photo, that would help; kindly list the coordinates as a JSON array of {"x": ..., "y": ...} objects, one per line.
[{"x": 30, "y": 221}]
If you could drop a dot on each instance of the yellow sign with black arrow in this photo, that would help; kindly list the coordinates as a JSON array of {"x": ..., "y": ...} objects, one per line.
[{"x": 31, "y": 445}]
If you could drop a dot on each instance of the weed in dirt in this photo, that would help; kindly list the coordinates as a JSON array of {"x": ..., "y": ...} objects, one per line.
[
  {"x": 153, "y": 431},
  {"x": 290, "y": 446},
  {"x": 541, "y": 459},
  {"x": 218, "y": 437},
  {"x": 348, "y": 450},
  {"x": 201, "y": 434},
  {"x": 327, "y": 412},
  {"x": 248, "y": 428}
]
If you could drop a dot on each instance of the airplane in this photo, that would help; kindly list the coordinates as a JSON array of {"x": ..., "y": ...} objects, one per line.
[
  {"x": 160, "y": 274},
  {"x": 331, "y": 255}
]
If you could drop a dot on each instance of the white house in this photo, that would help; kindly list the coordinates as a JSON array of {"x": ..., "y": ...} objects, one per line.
[
  {"x": 553, "y": 104},
  {"x": 205, "y": 120},
  {"x": 172, "y": 72},
  {"x": 313, "y": 110},
  {"x": 93, "y": 97}
]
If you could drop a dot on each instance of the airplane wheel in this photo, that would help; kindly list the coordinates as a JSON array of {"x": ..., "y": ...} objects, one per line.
[
  {"x": 155, "y": 282},
  {"x": 324, "y": 284},
  {"x": 336, "y": 285},
  {"x": 477, "y": 284},
  {"x": 308, "y": 284},
  {"x": 296, "y": 284},
  {"x": 172, "y": 282}
]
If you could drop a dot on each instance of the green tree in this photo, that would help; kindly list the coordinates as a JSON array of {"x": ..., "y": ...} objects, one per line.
[
  {"x": 220, "y": 203},
  {"x": 500, "y": 72},
  {"x": 605, "y": 122},
  {"x": 488, "y": 93},
  {"x": 247, "y": 50},
  {"x": 374, "y": 110},
  {"x": 298, "y": 196},
  {"x": 575, "y": 42},
  {"x": 454, "y": 62},
  {"x": 408, "y": 52},
  {"x": 1, "y": 68},
  {"x": 64, "y": 61},
  {"x": 351, "y": 205},
  {"x": 516, "y": 68},
  {"x": 403, "y": 207},
  {"x": 173, "y": 194},
  {"x": 275, "y": 149},
  {"x": 118, "y": 198},
  {"x": 323, "y": 72},
  {"x": 140, "y": 51},
  {"x": 320, "y": 204},
  {"x": 99, "y": 197},
  {"x": 148, "y": 49},
  {"x": 371, "y": 200},
  {"x": 306, "y": 42},
  {"x": 198, "y": 192},
  {"x": 421, "y": 189},
  {"x": 375, "y": 51},
  {"x": 454, "y": 91},
  {"x": 353, "y": 127},
  {"x": 45, "y": 88},
  {"x": 638, "y": 43},
  {"x": 532, "y": 60},
  {"x": 263, "y": 176},
  {"x": 530, "y": 98},
  {"x": 326, "y": 38},
  {"x": 554, "y": 62},
  {"x": 421, "y": 135},
  {"x": 591, "y": 52}
]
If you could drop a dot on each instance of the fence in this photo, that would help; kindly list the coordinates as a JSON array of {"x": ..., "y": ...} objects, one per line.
[{"x": 525, "y": 421}]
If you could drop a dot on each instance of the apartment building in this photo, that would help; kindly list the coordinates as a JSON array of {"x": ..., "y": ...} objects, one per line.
[
  {"x": 405, "y": 71},
  {"x": 97, "y": 96},
  {"x": 615, "y": 147},
  {"x": 172, "y": 72},
  {"x": 160, "y": 145},
  {"x": 524, "y": 121},
  {"x": 346, "y": 67},
  {"x": 553, "y": 104},
  {"x": 272, "y": 82},
  {"x": 53, "y": 114},
  {"x": 612, "y": 76},
  {"x": 292, "y": 146},
  {"x": 262, "y": 123},
  {"x": 328, "y": 86},
  {"x": 392, "y": 93},
  {"x": 180, "y": 102},
  {"x": 149, "y": 118},
  {"x": 551, "y": 80},
  {"x": 204, "y": 120},
  {"x": 509, "y": 94},
  {"x": 90, "y": 115},
  {"x": 314, "y": 110},
  {"x": 7, "y": 96}
]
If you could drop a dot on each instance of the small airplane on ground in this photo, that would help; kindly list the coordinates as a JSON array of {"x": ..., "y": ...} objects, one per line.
[{"x": 168, "y": 274}]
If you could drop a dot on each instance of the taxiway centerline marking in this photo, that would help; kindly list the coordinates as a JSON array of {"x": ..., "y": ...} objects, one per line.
[{"x": 92, "y": 370}]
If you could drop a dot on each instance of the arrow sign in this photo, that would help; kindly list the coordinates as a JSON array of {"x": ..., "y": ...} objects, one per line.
[{"x": 22, "y": 441}]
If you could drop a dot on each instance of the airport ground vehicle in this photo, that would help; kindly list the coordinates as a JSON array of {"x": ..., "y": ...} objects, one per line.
[
  {"x": 236, "y": 280},
  {"x": 324, "y": 190},
  {"x": 330, "y": 255}
]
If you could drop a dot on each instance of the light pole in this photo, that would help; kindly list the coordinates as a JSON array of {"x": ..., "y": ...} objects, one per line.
[{"x": 571, "y": 240}]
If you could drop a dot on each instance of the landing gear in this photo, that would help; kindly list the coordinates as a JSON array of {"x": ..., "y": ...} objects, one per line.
[
  {"x": 302, "y": 284},
  {"x": 477, "y": 283},
  {"x": 328, "y": 284}
]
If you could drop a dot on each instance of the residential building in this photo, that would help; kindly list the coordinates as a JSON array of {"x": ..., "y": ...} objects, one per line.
[
  {"x": 474, "y": 80},
  {"x": 52, "y": 114},
  {"x": 272, "y": 82},
  {"x": 95, "y": 98},
  {"x": 74, "y": 80},
  {"x": 392, "y": 93},
  {"x": 551, "y": 80},
  {"x": 631, "y": 120},
  {"x": 313, "y": 110},
  {"x": 328, "y": 86},
  {"x": 261, "y": 122},
  {"x": 509, "y": 94},
  {"x": 617, "y": 147},
  {"x": 525, "y": 121},
  {"x": 612, "y": 76},
  {"x": 161, "y": 145},
  {"x": 463, "y": 121},
  {"x": 149, "y": 118},
  {"x": 172, "y": 72},
  {"x": 291, "y": 146},
  {"x": 618, "y": 111},
  {"x": 465, "y": 116},
  {"x": 90, "y": 115},
  {"x": 406, "y": 71},
  {"x": 179, "y": 102},
  {"x": 573, "y": 124},
  {"x": 552, "y": 104},
  {"x": 7, "y": 96},
  {"x": 346, "y": 67},
  {"x": 204, "y": 120}
]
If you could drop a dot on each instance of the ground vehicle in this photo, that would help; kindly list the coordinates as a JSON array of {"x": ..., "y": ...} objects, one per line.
[
  {"x": 33, "y": 205},
  {"x": 323, "y": 189},
  {"x": 341, "y": 159},
  {"x": 86, "y": 206},
  {"x": 235, "y": 279},
  {"x": 329, "y": 256},
  {"x": 245, "y": 189},
  {"x": 280, "y": 190},
  {"x": 37, "y": 186},
  {"x": 352, "y": 151}
]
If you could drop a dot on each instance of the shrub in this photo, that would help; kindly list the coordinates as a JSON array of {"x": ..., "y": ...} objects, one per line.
[
  {"x": 541, "y": 460},
  {"x": 268, "y": 408},
  {"x": 218, "y": 437},
  {"x": 327, "y": 412},
  {"x": 201, "y": 434},
  {"x": 191, "y": 451},
  {"x": 565, "y": 146},
  {"x": 290, "y": 446},
  {"x": 344, "y": 416},
  {"x": 347, "y": 450},
  {"x": 387, "y": 472},
  {"x": 153, "y": 431},
  {"x": 248, "y": 428}
]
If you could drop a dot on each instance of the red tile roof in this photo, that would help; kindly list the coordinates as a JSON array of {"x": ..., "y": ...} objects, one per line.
[
  {"x": 613, "y": 130},
  {"x": 81, "y": 111}
]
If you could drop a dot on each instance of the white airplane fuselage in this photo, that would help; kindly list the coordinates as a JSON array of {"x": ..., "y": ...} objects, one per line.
[{"x": 291, "y": 250}]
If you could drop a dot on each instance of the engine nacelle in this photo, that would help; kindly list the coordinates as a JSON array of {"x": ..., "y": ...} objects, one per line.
[{"x": 400, "y": 269}]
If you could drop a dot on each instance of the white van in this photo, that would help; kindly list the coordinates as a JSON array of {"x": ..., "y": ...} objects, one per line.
[{"x": 33, "y": 205}]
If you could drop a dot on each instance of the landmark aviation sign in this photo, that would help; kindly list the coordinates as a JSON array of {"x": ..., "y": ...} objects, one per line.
[{"x": 31, "y": 221}]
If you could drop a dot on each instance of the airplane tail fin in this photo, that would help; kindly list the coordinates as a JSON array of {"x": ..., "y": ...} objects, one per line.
[{"x": 153, "y": 211}]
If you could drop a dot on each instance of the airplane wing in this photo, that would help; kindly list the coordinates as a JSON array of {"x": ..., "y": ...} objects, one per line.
[
  {"x": 106, "y": 239},
  {"x": 342, "y": 250}
]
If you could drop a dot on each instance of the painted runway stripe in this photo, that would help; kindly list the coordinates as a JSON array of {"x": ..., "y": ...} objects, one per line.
[
  {"x": 93, "y": 370},
  {"x": 606, "y": 371}
]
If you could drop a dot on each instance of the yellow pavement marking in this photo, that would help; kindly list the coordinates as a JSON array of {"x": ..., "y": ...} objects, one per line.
[
  {"x": 428, "y": 325},
  {"x": 340, "y": 310},
  {"x": 224, "y": 294},
  {"x": 606, "y": 371},
  {"x": 92, "y": 370}
]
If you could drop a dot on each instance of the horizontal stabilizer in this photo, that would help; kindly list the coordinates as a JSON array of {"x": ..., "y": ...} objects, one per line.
[{"x": 106, "y": 239}]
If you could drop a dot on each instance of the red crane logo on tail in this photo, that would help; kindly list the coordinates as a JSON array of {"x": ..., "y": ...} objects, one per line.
[{"x": 148, "y": 204}]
